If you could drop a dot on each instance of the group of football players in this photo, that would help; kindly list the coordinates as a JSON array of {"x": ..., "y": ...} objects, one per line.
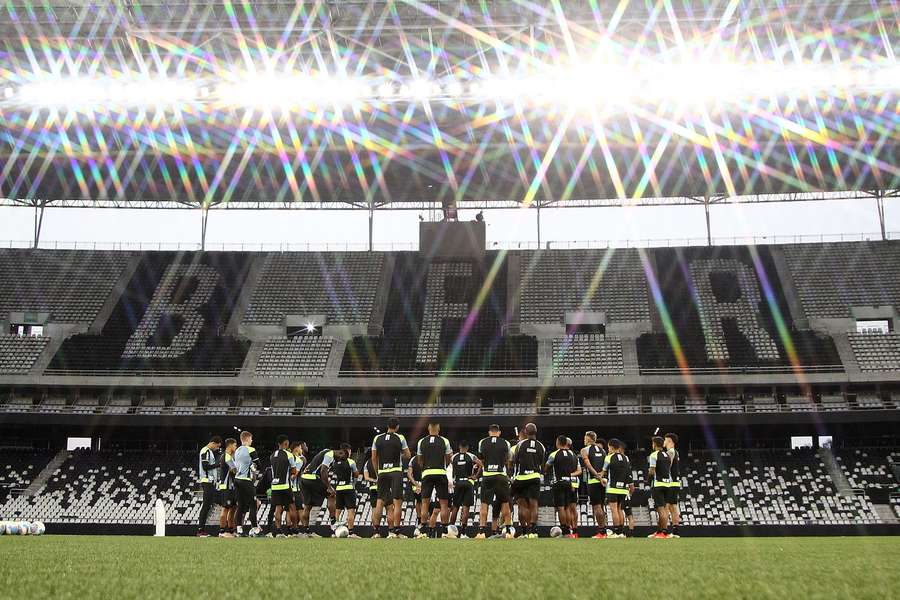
[{"x": 441, "y": 482}]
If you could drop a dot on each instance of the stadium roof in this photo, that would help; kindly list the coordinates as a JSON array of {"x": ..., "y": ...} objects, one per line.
[{"x": 279, "y": 104}]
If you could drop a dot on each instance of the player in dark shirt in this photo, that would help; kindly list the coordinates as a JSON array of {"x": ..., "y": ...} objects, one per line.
[
  {"x": 227, "y": 499},
  {"x": 388, "y": 451},
  {"x": 528, "y": 461},
  {"x": 659, "y": 476},
  {"x": 619, "y": 483},
  {"x": 493, "y": 451},
  {"x": 433, "y": 456},
  {"x": 592, "y": 456},
  {"x": 562, "y": 464},
  {"x": 674, "y": 488},
  {"x": 345, "y": 473},
  {"x": 465, "y": 466},
  {"x": 282, "y": 470},
  {"x": 315, "y": 482}
]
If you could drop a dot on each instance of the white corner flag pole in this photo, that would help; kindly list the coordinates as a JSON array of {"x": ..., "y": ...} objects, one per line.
[{"x": 159, "y": 517}]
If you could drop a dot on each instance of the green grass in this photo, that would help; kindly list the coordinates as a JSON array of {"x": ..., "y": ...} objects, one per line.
[{"x": 145, "y": 567}]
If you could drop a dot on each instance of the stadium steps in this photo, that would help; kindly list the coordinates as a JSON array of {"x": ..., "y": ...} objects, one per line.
[
  {"x": 630, "y": 355},
  {"x": 333, "y": 366},
  {"x": 254, "y": 272},
  {"x": 375, "y": 327},
  {"x": 790, "y": 290},
  {"x": 885, "y": 513},
  {"x": 252, "y": 358},
  {"x": 845, "y": 351},
  {"x": 841, "y": 484},
  {"x": 44, "y": 476}
]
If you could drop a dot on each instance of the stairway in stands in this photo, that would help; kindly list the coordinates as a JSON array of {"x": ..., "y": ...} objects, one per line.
[{"x": 46, "y": 473}]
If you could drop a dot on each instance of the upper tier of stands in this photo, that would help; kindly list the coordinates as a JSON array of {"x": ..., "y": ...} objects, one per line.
[
  {"x": 556, "y": 281},
  {"x": 71, "y": 285},
  {"x": 876, "y": 351},
  {"x": 170, "y": 318},
  {"x": 341, "y": 285},
  {"x": 444, "y": 317},
  {"x": 724, "y": 308},
  {"x": 587, "y": 355},
  {"x": 830, "y": 278},
  {"x": 297, "y": 356}
]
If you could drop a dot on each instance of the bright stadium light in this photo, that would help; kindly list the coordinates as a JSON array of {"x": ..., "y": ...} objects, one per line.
[
  {"x": 285, "y": 90},
  {"x": 78, "y": 91}
]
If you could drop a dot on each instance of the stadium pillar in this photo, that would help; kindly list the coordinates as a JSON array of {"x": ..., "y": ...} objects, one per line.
[
  {"x": 708, "y": 228},
  {"x": 204, "y": 218},
  {"x": 538, "y": 205},
  {"x": 371, "y": 223},
  {"x": 879, "y": 204},
  {"x": 38, "y": 221}
]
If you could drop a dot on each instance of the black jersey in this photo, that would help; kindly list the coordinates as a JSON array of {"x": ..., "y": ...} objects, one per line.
[
  {"x": 660, "y": 462},
  {"x": 596, "y": 454},
  {"x": 390, "y": 447},
  {"x": 344, "y": 472},
  {"x": 280, "y": 463},
  {"x": 434, "y": 451},
  {"x": 463, "y": 466},
  {"x": 564, "y": 462},
  {"x": 372, "y": 473},
  {"x": 528, "y": 459},
  {"x": 416, "y": 469},
  {"x": 226, "y": 477},
  {"x": 494, "y": 452},
  {"x": 323, "y": 458},
  {"x": 675, "y": 459},
  {"x": 618, "y": 473}
]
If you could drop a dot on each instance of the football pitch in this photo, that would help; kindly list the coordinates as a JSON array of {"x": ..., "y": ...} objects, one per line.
[{"x": 145, "y": 567}]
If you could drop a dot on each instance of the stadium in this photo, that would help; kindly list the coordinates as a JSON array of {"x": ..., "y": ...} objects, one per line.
[{"x": 422, "y": 407}]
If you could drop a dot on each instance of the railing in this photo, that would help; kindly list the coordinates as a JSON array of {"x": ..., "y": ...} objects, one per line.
[
  {"x": 486, "y": 373},
  {"x": 132, "y": 373},
  {"x": 752, "y": 240}
]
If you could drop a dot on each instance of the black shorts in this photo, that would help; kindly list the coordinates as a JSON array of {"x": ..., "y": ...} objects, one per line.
[
  {"x": 345, "y": 499},
  {"x": 437, "y": 484},
  {"x": 563, "y": 494},
  {"x": 528, "y": 489},
  {"x": 226, "y": 498},
  {"x": 495, "y": 487},
  {"x": 373, "y": 496},
  {"x": 297, "y": 497},
  {"x": 390, "y": 486},
  {"x": 463, "y": 493},
  {"x": 282, "y": 498},
  {"x": 596, "y": 494},
  {"x": 672, "y": 495},
  {"x": 245, "y": 493},
  {"x": 659, "y": 497},
  {"x": 314, "y": 492},
  {"x": 616, "y": 498}
]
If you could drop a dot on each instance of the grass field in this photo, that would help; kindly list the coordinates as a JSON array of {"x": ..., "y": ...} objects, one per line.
[{"x": 145, "y": 567}]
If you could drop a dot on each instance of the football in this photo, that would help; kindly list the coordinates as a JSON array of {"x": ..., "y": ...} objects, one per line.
[
  {"x": 341, "y": 531},
  {"x": 555, "y": 531}
]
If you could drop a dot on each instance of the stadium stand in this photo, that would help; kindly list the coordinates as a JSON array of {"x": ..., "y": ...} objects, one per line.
[
  {"x": 832, "y": 278},
  {"x": 18, "y": 466},
  {"x": 587, "y": 355},
  {"x": 435, "y": 322},
  {"x": 556, "y": 281},
  {"x": 170, "y": 319},
  {"x": 19, "y": 353},
  {"x": 70, "y": 285},
  {"x": 297, "y": 356},
  {"x": 867, "y": 468},
  {"x": 340, "y": 285},
  {"x": 724, "y": 318},
  {"x": 876, "y": 351},
  {"x": 112, "y": 487}
]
